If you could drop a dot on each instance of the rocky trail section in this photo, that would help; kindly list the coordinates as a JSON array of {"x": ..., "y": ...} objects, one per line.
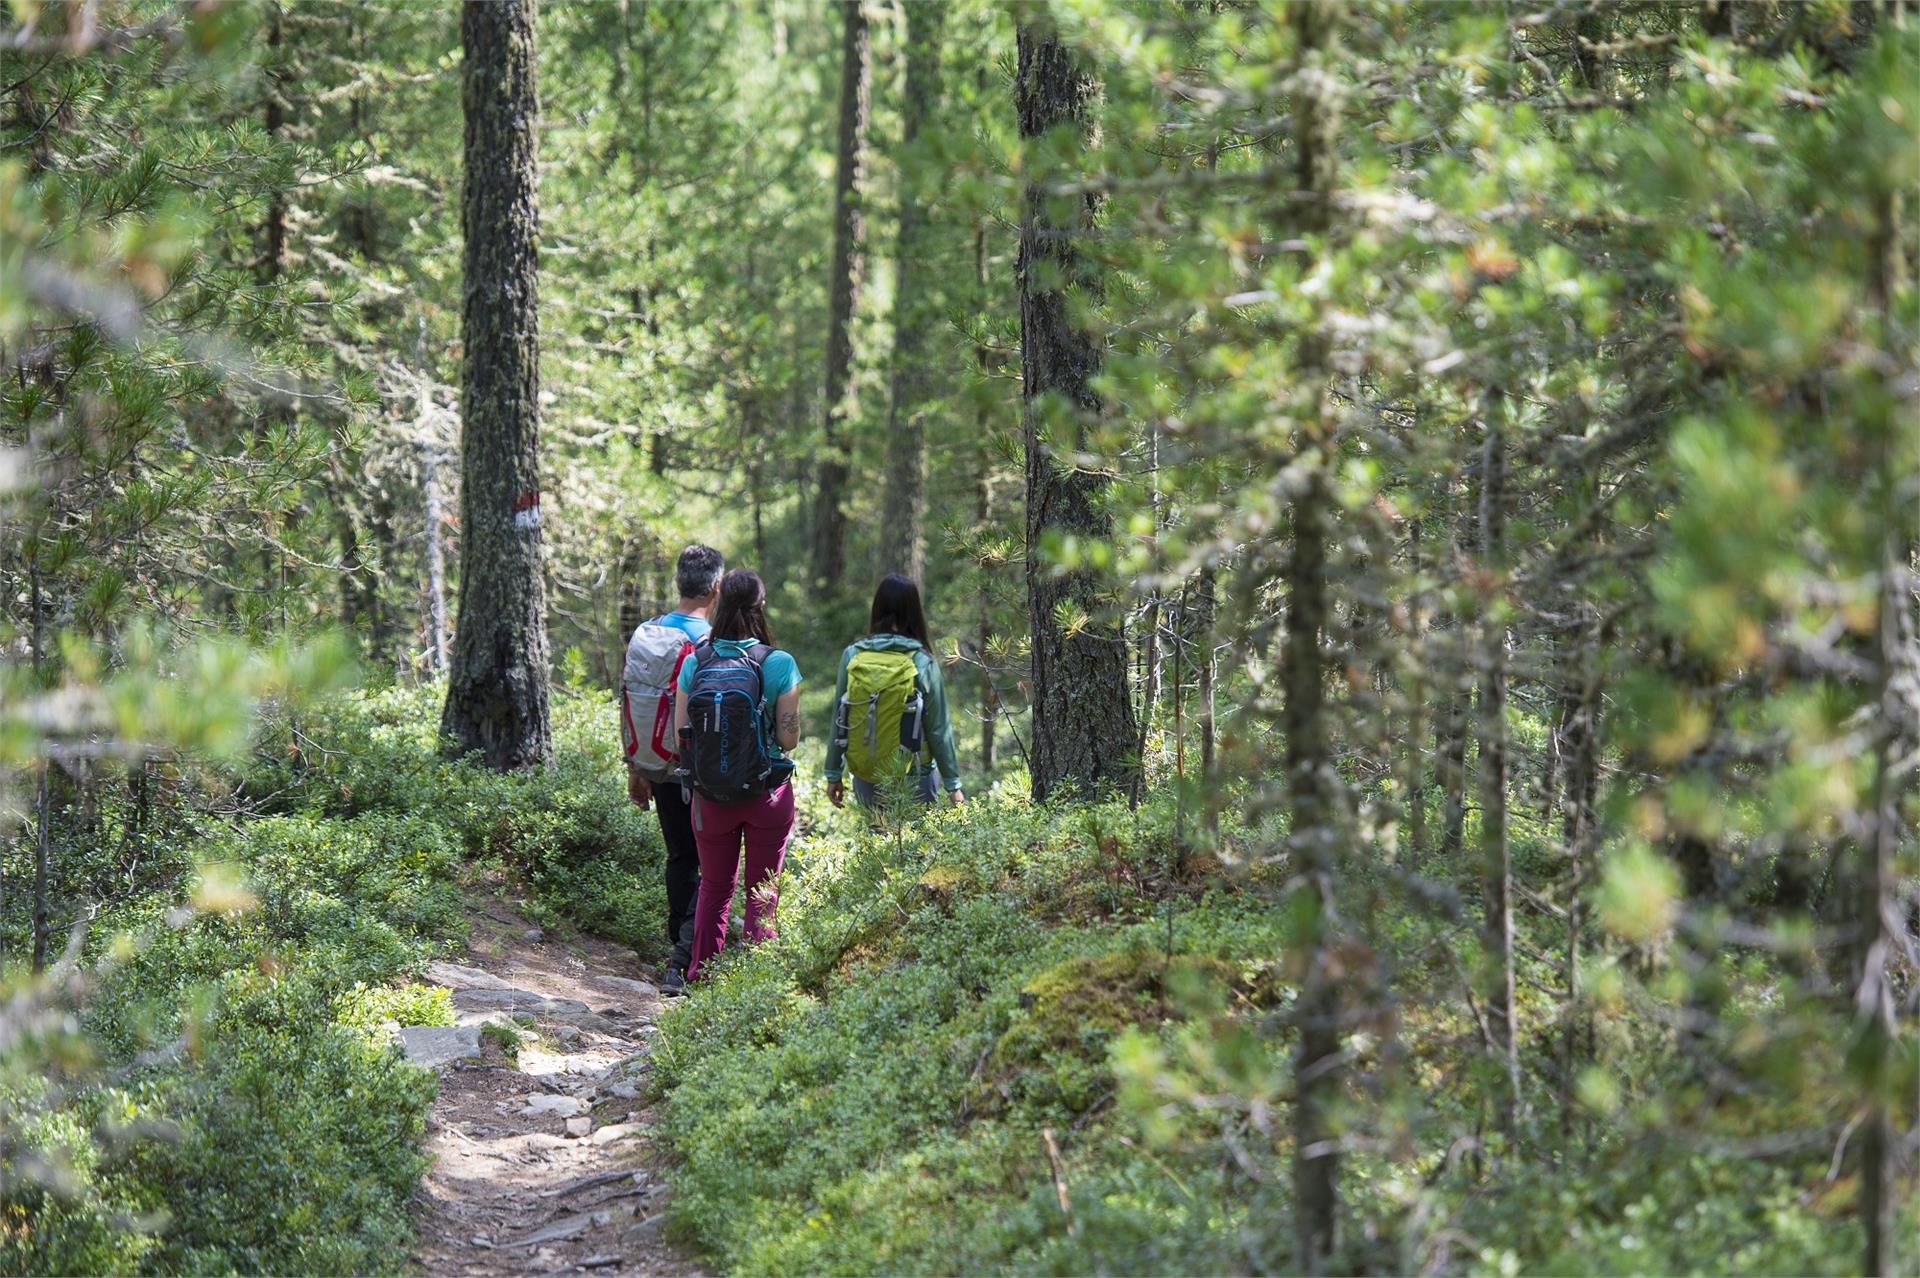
[{"x": 543, "y": 1153}]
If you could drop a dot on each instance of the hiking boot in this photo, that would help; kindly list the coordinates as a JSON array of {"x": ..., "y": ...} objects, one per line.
[{"x": 674, "y": 983}]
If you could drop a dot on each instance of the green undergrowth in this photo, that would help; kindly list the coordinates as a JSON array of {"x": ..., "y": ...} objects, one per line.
[
  {"x": 232, "y": 1102},
  {"x": 875, "y": 1091},
  {"x": 566, "y": 832},
  {"x": 1001, "y": 1039}
]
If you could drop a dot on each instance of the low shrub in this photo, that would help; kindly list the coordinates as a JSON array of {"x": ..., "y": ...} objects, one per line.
[
  {"x": 232, "y": 1104},
  {"x": 967, "y": 1019}
]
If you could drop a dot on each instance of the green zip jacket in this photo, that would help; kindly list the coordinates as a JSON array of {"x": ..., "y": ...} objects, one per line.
[{"x": 939, "y": 725}]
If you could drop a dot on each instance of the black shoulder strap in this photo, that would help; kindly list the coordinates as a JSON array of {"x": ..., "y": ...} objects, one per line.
[{"x": 758, "y": 654}]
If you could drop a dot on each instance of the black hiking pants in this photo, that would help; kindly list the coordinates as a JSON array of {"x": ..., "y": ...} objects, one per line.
[{"x": 683, "y": 867}]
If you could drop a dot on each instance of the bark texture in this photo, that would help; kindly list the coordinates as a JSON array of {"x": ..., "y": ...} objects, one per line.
[
  {"x": 1580, "y": 746},
  {"x": 497, "y": 679},
  {"x": 1083, "y": 723},
  {"x": 1496, "y": 854},
  {"x": 1315, "y": 844},
  {"x": 902, "y": 545},
  {"x": 849, "y": 273}
]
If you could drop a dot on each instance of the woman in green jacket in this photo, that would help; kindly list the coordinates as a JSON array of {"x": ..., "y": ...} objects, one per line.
[{"x": 900, "y": 726}]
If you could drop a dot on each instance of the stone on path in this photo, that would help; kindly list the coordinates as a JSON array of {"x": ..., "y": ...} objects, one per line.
[
  {"x": 504, "y": 998},
  {"x": 645, "y": 989},
  {"x": 459, "y": 976},
  {"x": 570, "y": 1011},
  {"x": 431, "y": 1046},
  {"x": 579, "y": 1125},
  {"x": 614, "y": 1132},
  {"x": 550, "y": 1103}
]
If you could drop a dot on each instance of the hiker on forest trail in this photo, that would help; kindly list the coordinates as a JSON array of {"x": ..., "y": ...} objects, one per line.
[
  {"x": 738, "y": 714},
  {"x": 891, "y": 727},
  {"x": 647, "y": 692}
]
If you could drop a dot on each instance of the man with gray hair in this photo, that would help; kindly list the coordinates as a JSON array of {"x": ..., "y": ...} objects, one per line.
[{"x": 697, "y": 577}]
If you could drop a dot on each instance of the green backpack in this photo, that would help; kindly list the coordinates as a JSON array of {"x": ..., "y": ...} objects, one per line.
[{"x": 879, "y": 720}]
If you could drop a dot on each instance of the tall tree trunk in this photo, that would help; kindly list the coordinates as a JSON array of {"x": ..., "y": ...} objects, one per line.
[
  {"x": 430, "y": 482},
  {"x": 849, "y": 270},
  {"x": 1451, "y": 727},
  {"x": 1580, "y": 745},
  {"x": 1318, "y": 1066},
  {"x": 1083, "y": 726},
  {"x": 989, "y": 692},
  {"x": 1564, "y": 688},
  {"x": 1207, "y": 612},
  {"x": 42, "y": 861},
  {"x": 902, "y": 543},
  {"x": 43, "y": 799},
  {"x": 1496, "y": 859},
  {"x": 1878, "y": 912},
  {"x": 497, "y": 687},
  {"x": 1314, "y": 843},
  {"x": 1450, "y": 753},
  {"x": 1881, "y": 928},
  {"x": 273, "y": 232},
  {"x": 1415, "y": 760},
  {"x": 982, "y": 423},
  {"x": 1150, "y": 656}
]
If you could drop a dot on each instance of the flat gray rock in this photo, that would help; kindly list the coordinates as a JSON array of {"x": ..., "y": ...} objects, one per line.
[
  {"x": 627, "y": 985},
  {"x": 631, "y": 1066},
  {"x": 431, "y": 1046},
  {"x": 457, "y": 976},
  {"x": 583, "y": 1019},
  {"x": 507, "y": 999},
  {"x": 541, "y": 1103}
]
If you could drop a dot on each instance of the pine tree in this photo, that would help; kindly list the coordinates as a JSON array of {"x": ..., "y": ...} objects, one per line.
[
  {"x": 902, "y": 544},
  {"x": 849, "y": 274},
  {"x": 497, "y": 681},
  {"x": 1083, "y": 722}
]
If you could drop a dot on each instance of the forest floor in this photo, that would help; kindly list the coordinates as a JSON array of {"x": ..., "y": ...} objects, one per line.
[{"x": 544, "y": 1160}]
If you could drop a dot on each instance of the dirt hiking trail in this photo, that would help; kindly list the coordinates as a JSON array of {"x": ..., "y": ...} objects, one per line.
[{"x": 544, "y": 1159}]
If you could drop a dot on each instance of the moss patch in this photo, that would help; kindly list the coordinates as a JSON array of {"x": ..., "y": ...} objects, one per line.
[{"x": 1055, "y": 1050}]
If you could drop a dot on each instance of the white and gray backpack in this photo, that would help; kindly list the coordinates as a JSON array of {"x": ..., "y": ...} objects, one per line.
[{"x": 647, "y": 685}]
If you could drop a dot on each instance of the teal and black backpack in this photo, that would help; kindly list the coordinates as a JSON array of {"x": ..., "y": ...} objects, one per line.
[{"x": 729, "y": 758}]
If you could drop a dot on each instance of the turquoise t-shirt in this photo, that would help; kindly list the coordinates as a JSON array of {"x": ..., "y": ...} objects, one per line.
[
  {"x": 694, "y": 628},
  {"x": 779, "y": 673}
]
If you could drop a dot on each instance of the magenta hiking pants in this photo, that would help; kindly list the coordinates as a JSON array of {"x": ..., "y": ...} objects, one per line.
[{"x": 763, "y": 825}]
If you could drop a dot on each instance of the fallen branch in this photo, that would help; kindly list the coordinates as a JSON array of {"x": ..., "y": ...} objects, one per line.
[{"x": 1059, "y": 1179}]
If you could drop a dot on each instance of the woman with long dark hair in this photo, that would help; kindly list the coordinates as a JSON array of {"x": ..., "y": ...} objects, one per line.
[
  {"x": 891, "y": 726},
  {"x": 739, "y": 656}
]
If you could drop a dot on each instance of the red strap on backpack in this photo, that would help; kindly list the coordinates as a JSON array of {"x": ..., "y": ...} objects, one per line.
[{"x": 663, "y": 714}]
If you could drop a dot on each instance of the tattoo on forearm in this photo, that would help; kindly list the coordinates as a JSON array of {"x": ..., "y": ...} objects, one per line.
[{"x": 789, "y": 723}]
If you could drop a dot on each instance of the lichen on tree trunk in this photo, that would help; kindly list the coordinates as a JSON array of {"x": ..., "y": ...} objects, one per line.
[{"x": 497, "y": 680}]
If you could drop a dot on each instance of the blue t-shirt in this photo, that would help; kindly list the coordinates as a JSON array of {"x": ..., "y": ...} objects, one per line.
[
  {"x": 694, "y": 628},
  {"x": 779, "y": 673}
]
